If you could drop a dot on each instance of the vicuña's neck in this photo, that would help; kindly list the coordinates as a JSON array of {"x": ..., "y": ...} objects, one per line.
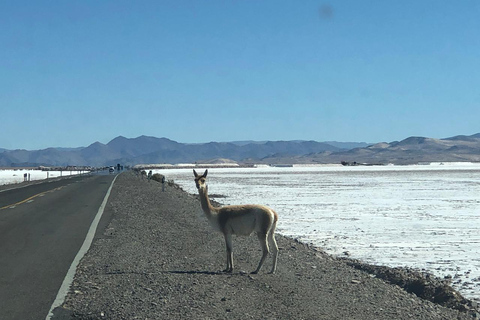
[{"x": 205, "y": 201}]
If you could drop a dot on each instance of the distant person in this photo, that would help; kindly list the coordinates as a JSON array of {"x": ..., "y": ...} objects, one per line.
[
  {"x": 150, "y": 173},
  {"x": 163, "y": 183},
  {"x": 25, "y": 177}
]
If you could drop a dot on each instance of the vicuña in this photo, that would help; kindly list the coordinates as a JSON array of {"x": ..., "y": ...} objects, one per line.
[{"x": 240, "y": 220}]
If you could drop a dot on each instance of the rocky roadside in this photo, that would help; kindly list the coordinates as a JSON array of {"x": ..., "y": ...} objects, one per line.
[{"x": 159, "y": 259}]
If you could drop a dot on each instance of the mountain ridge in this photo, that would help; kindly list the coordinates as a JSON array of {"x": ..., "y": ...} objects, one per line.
[{"x": 148, "y": 149}]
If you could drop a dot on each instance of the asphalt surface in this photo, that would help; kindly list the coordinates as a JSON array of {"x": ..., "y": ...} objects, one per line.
[{"x": 42, "y": 227}]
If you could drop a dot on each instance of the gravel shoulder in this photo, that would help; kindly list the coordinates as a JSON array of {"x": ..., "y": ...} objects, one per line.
[{"x": 159, "y": 259}]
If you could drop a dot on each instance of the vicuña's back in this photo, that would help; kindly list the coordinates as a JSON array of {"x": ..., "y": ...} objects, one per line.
[
  {"x": 245, "y": 219},
  {"x": 240, "y": 220}
]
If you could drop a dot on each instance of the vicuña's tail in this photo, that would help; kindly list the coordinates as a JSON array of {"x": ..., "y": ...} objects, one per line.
[{"x": 275, "y": 219}]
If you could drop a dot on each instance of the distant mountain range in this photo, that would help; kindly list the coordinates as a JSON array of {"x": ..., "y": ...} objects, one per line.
[
  {"x": 412, "y": 150},
  {"x": 151, "y": 150}
]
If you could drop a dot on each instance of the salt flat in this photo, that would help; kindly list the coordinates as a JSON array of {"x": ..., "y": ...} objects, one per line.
[
  {"x": 12, "y": 176},
  {"x": 424, "y": 216}
]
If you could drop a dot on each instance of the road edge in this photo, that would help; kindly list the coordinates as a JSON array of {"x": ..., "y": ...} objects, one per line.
[{"x": 67, "y": 281}]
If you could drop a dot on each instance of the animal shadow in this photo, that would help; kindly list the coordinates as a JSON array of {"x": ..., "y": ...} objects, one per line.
[{"x": 195, "y": 272}]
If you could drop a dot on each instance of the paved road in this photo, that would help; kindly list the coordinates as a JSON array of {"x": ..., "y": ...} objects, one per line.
[{"x": 42, "y": 227}]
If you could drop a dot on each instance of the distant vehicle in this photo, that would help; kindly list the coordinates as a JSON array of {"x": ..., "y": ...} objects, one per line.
[{"x": 111, "y": 169}]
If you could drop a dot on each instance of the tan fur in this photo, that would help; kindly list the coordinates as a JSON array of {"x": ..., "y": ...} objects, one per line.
[{"x": 240, "y": 220}]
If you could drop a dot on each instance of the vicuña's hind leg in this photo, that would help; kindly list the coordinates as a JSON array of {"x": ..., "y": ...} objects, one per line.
[
  {"x": 263, "y": 242},
  {"x": 273, "y": 244}
]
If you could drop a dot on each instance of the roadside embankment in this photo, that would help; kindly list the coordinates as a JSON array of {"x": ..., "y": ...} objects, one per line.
[{"x": 159, "y": 259}]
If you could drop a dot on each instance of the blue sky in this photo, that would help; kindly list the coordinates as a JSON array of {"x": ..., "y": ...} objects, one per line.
[{"x": 76, "y": 72}]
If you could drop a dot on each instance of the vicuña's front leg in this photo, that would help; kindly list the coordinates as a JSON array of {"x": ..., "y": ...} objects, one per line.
[{"x": 228, "y": 242}]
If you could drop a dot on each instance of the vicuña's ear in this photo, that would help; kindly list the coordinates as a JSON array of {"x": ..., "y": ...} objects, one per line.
[
  {"x": 195, "y": 173},
  {"x": 205, "y": 173}
]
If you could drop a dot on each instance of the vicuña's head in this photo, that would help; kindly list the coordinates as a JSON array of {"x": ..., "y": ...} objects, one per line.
[{"x": 200, "y": 180}]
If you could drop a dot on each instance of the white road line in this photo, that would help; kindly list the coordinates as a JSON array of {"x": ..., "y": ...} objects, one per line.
[{"x": 67, "y": 282}]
